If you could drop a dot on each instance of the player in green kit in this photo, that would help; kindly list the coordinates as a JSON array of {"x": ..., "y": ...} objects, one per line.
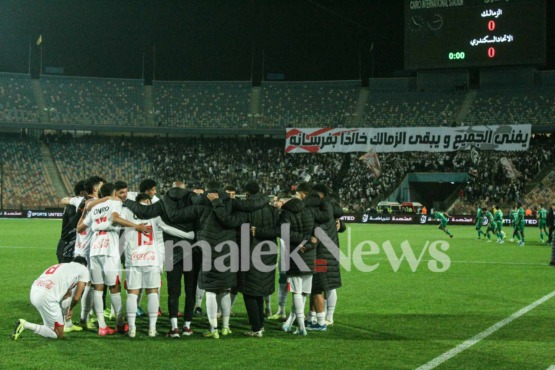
[
  {"x": 542, "y": 222},
  {"x": 514, "y": 218},
  {"x": 479, "y": 220},
  {"x": 443, "y": 220},
  {"x": 491, "y": 225},
  {"x": 520, "y": 224},
  {"x": 498, "y": 221}
]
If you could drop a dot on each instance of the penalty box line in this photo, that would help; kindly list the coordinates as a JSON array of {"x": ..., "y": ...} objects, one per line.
[{"x": 492, "y": 329}]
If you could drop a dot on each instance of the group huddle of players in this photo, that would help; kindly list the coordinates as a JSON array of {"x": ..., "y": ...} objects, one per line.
[{"x": 97, "y": 228}]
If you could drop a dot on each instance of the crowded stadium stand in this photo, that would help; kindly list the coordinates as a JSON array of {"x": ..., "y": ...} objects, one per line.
[
  {"x": 491, "y": 182},
  {"x": 113, "y": 158},
  {"x": 25, "y": 182},
  {"x": 309, "y": 104},
  {"x": 201, "y": 104},
  {"x": 93, "y": 101},
  {"x": 543, "y": 193},
  {"x": 17, "y": 103},
  {"x": 235, "y": 162}
]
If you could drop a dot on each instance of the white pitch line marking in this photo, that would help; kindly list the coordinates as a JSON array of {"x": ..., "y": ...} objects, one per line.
[{"x": 492, "y": 329}]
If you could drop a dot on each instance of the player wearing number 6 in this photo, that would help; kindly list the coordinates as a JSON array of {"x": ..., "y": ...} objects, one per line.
[{"x": 51, "y": 294}]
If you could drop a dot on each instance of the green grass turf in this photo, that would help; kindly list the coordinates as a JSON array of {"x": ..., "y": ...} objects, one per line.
[{"x": 384, "y": 319}]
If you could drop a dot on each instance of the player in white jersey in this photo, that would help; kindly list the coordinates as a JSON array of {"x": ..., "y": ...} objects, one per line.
[
  {"x": 82, "y": 239},
  {"x": 148, "y": 187},
  {"x": 92, "y": 187},
  {"x": 144, "y": 259},
  {"x": 104, "y": 220},
  {"x": 51, "y": 294}
]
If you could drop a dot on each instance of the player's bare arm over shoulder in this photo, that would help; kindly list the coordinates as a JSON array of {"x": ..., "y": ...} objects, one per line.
[
  {"x": 118, "y": 220},
  {"x": 93, "y": 202},
  {"x": 81, "y": 224},
  {"x": 65, "y": 201}
]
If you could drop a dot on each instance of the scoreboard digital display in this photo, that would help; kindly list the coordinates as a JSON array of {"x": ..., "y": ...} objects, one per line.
[{"x": 474, "y": 33}]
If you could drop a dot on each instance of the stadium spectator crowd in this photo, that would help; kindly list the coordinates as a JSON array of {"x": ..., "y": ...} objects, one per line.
[
  {"x": 493, "y": 182},
  {"x": 196, "y": 161},
  {"x": 24, "y": 183},
  {"x": 238, "y": 161}
]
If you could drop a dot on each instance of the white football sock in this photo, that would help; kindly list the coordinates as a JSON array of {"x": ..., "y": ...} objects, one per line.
[
  {"x": 89, "y": 305},
  {"x": 131, "y": 308},
  {"x": 292, "y": 315},
  {"x": 140, "y": 297},
  {"x": 321, "y": 318},
  {"x": 188, "y": 324},
  {"x": 65, "y": 307},
  {"x": 290, "y": 319},
  {"x": 173, "y": 322},
  {"x": 331, "y": 300},
  {"x": 99, "y": 308},
  {"x": 40, "y": 330},
  {"x": 226, "y": 303},
  {"x": 153, "y": 304},
  {"x": 212, "y": 309},
  {"x": 299, "y": 310},
  {"x": 311, "y": 316},
  {"x": 233, "y": 297},
  {"x": 115, "y": 299},
  {"x": 85, "y": 306}
]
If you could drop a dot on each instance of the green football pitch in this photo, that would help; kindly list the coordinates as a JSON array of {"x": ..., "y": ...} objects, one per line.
[{"x": 470, "y": 305}]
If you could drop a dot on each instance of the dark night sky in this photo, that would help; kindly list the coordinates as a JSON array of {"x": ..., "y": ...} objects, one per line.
[{"x": 209, "y": 39}]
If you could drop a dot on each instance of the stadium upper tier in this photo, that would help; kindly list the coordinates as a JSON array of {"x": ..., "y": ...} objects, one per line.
[
  {"x": 93, "y": 101},
  {"x": 17, "y": 103},
  {"x": 117, "y": 102},
  {"x": 515, "y": 106},
  {"x": 412, "y": 108},
  {"x": 309, "y": 104},
  {"x": 201, "y": 104}
]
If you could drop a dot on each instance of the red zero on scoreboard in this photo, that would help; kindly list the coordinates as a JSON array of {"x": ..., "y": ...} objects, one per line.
[
  {"x": 491, "y": 25},
  {"x": 491, "y": 52}
]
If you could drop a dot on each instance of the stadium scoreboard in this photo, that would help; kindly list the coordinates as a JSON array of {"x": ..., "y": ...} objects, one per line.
[{"x": 474, "y": 33}]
